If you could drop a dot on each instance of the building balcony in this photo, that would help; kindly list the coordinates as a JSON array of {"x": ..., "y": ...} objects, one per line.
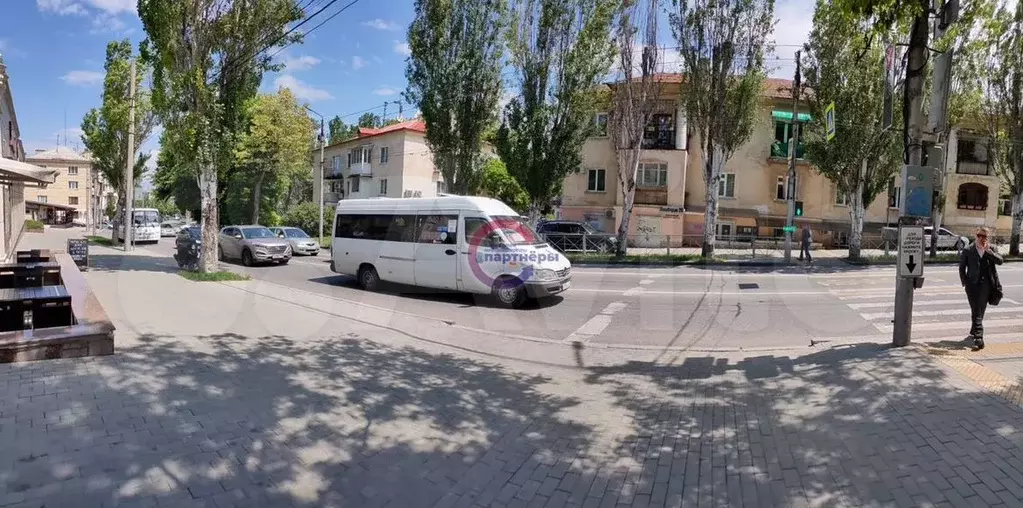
[
  {"x": 652, "y": 196},
  {"x": 361, "y": 169},
  {"x": 332, "y": 174},
  {"x": 974, "y": 168},
  {"x": 780, "y": 150}
]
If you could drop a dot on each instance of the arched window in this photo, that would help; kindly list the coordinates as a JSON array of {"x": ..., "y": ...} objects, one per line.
[{"x": 972, "y": 196}]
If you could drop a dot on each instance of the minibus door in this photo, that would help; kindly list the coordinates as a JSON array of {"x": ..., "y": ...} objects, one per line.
[{"x": 436, "y": 256}]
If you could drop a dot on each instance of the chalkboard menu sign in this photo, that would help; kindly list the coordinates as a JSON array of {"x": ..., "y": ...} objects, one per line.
[{"x": 78, "y": 249}]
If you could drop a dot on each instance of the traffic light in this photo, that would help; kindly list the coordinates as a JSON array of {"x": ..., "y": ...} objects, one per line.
[{"x": 799, "y": 208}]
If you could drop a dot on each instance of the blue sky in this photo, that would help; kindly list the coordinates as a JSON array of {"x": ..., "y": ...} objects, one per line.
[{"x": 54, "y": 50}]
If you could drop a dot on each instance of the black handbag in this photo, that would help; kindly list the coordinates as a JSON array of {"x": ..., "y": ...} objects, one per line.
[{"x": 995, "y": 297}]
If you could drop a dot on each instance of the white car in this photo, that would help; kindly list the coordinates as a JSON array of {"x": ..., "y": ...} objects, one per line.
[{"x": 946, "y": 239}]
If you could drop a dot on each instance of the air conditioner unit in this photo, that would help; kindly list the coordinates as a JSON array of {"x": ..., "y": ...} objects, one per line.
[{"x": 609, "y": 213}]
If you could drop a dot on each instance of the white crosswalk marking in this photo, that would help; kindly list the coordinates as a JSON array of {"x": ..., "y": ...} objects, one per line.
[{"x": 940, "y": 311}]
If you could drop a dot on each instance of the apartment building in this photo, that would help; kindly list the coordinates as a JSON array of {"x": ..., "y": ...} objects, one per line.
[
  {"x": 79, "y": 193},
  {"x": 593, "y": 194},
  {"x": 391, "y": 161},
  {"x": 753, "y": 191}
]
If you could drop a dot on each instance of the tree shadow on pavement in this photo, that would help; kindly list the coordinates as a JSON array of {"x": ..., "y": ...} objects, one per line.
[
  {"x": 137, "y": 263},
  {"x": 862, "y": 425},
  {"x": 270, "y": 421}
]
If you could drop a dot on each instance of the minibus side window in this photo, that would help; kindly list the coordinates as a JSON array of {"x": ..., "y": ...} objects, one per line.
[{"x": 433, "y": 229}]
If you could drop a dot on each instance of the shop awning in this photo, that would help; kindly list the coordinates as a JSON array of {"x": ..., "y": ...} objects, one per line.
[
  {"x": 787, "y": 116},
  {"x": 17, "y": 171},
  {"x": 40, "y": 204}
]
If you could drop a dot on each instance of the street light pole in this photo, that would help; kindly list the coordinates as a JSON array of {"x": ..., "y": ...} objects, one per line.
[{"x": 322, "y": 140}]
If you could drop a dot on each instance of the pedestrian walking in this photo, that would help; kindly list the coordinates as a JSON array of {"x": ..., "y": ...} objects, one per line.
[
  {"x": 979, "y": 276},
  {"x": 805, "y": 242}
]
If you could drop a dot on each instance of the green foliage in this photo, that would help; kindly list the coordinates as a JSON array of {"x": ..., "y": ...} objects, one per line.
[
  {"x": 99, "y": 240},
  {"x": 110, "y": 209},
  {"x": 274, "y": 149},
  {"x": 369, "y": 120},
  {"x": 499, "y": 184},
  {"x": 339, "y": 131},
  {"x": 561, "y": 49},
  {"x": 455, "y": 81},
  {"x": 33, "y": 225},
  {"x": 220, "y": 276},
  {"x": 841, "y": 68},
  {"x": 105, "y": 129},
  {"x": 208, "y": 60},
  {"x": 304, "y": 216}
]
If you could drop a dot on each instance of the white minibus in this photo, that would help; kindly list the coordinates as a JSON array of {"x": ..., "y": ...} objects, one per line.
[
  {"x": 457, "y": 243},
  {"x": 147, "y": 226}
]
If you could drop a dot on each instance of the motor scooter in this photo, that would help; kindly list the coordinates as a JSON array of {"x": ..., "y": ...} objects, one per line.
[{"x": 187, "y": 255}]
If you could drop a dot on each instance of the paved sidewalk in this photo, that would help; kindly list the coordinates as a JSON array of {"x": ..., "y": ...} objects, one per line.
[{"x": 221, "y": 397}]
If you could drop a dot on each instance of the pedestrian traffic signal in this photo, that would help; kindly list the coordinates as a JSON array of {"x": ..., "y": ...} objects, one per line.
[{"x": 799, "y": 208}]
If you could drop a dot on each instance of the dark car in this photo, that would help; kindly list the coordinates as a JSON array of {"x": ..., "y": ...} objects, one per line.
[
  {"x": 187, "y": 245},
  {"x": 576, "y": 236}
]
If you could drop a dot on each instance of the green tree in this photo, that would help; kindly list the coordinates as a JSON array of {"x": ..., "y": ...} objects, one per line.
[
  {"x": 561, "y": 50},
  {"x": 208, "y": 60},
  {"x": 455, "y": 81},
  {"x": 338, "y": 131},
  {"x": 276, "y": 147},
  {"x": 305, "y": 217},
  {"x": 110, "y": 210},
  {"x": 722, "y": 43},
  {"x": 864, "y": 156},
  {"x": 369, "y": 121},
  {"x": 501, "y": 185},
  {"x": 105, "y": 129},
  {"x": 1003, "y": 106}
]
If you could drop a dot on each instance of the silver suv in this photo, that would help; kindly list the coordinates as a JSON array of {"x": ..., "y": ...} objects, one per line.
[{"x": 253, "y": 244}]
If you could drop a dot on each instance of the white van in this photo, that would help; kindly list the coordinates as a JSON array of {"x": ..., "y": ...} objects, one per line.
[
  {"x": 147, "y": 226},
  {"x": 459, "y": 243}
]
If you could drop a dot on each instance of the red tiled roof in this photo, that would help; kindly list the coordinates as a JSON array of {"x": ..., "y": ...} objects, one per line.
[{"x": 416, "y": 125}]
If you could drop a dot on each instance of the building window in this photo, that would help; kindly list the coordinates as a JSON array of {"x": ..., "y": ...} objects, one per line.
[
  {"x": 335, "y": 164},
  {"x": 73, "y": 185},
  {"x": 841, "y": 198},
  {"x": 781, "y": 189},
  {"x": 894, "y": 195},
  {"x": 72, "y": 170},
  {"x": 726, "y": 185},
  {"x": 725, "y": 230},
  {"x": 972, "y": 196},
  {"x": 41, "y": 198},
  {"x": 1005, "y": 205},
  {"x": 355, "y": 184},
  {"x": 659, "y": 132},
  {"x": 72, "y": 200},
  {"x": 782, "y": 132},
  {"x": 595, "y": 180},
  {"x": 600, "y": 124},
  {"x": 652, "y": 174},
  {"x": 383, "y": 186},
  {"x": 384, "y": 154},
  {"x": 362, "y": 154},
  {"x": 441, "y": 188}
]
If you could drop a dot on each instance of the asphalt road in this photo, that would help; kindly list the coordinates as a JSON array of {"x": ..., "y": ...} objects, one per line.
[{"x": 688, "y": 307}]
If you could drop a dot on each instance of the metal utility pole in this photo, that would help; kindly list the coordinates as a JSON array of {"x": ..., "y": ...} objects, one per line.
[
  {"x": 319, "y": 177},
  {"x": 937, "y": 120},
  {"x": 916, "y": 70},
  {"x": 790, "y": 185},
  {"x": 129, "y": 169}
]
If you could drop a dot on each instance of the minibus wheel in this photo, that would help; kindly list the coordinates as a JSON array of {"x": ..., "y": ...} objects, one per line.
[
  {"x": 369, "y": 280},
  {"x": 510, "y": 292}
]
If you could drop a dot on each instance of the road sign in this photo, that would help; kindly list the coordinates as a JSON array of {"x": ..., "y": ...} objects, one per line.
[
  {"x": 917, "y": 191},
  {"x": 829, "y": 118},
  {"x": 911, "y": 251}
]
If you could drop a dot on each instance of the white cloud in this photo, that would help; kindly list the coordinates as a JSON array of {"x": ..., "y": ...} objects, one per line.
[
  {"x": 380, "y": 24},
  {"x": 301, "y": 90},
  {"x": 300, "y": 63},
  {"x": 62, "y": 7},
  {"x": 402, "y": 48},
  {"x": 104, "y": 23},
  {"x": 83, "y": 78},
  {"x": 358, "y": 62},
  {"x": 385, "y": 91},
  {"x": 114, "y": 6}
]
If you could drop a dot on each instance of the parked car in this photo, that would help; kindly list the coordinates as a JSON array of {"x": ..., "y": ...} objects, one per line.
[
  {"x": 947, "y": 240},
  {"x": 570, "y": 235},
  {"x": 253, "y": 244},
  {"x": 301, "y": 243},
  {"x": 169, "y": 229}
]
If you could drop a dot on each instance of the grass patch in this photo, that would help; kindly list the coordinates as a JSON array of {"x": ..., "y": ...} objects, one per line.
[
  {"x": 99, "y": 240},
  {"x": 221, "y": 276},
  {"x": 33, "y": 225},
  {"x": 325, "y": 244},
  {"x": 646, "y": 259}
]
